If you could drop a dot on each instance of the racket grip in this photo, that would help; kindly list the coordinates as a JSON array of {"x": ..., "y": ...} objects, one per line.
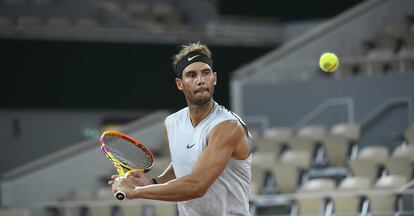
[{"x": 119, "y": 195}]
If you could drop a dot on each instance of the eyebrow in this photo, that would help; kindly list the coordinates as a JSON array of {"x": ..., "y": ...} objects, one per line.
[{"x": 203, "y": 70}]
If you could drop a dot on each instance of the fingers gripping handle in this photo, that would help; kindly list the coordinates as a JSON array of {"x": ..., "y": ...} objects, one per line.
[{"x": 119, "y": 195}]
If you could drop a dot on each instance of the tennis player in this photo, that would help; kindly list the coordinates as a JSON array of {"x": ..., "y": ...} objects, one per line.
[{"x": 210, "y": 148}]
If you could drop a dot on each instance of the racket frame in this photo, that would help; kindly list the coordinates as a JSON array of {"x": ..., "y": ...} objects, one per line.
[{"x": 121, "y": 167}]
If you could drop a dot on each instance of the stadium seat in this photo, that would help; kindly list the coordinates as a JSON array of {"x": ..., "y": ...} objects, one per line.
[
  {"x": 390, "y": 182},
  {"x": 350, "y": 131},
  {"x": 278, "y": 135},
  {"x": 83, "y": 194},
  {"x": 383, "y": 202},
  {"x": 349, "y": 204},
  {"x": 409, "y": 135},
  {"x": 132, "y": 210},
  {"x": 165, "y": 208},
  {"x": 349, "y": 67},
  {"x": 267, "y": 145},
  {"x": 137, "y": 9},
  {"x": 336, "y": 149},
  {"x": 111, "y": 5},
  {"x": 162, "y": 9},
  {"x": 258, "y": 182},
  {"x": 274, "y": 140},
  {"x": 399, "y": 166},
  {"x": 28, "y": 21},
  {"x": 313, "y": 132},
  {"x": 288, "y": 171},
  {"x": 262, "y": 164},
  {"x": 377, "y": 154},
  {"x": 58, "y": 22},
  {"x": 264, "y": 159},
  {"x": 385, "y": 40},
  {"x": 297, "y": 158},
  {"x": 100, "y": 210},
  {"x": 382, "y": 60},
  {"x": 5, "y": 21},
  {"x": 404, "y": 151},
  {"x": 408, "y": 39},
  {"x": 355, "y": 183},
  {"x": 76, "y": 211},
  {"x": 86, "y": 22},
  {"x": 369, "y": 161},
  {"x": 76, "y": 195},
  {"x": 166, "y": 13},
  {"x": 14, "y": 212},
  {"x": 301, "y": 143},
  {"x": 318, "y": 185},
  {"x": 405, "y": 57},
  {"x": 309, "y": 204}
]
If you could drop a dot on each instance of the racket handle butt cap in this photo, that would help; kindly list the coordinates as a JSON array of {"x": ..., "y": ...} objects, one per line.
[{"x": 119, "y": 195}]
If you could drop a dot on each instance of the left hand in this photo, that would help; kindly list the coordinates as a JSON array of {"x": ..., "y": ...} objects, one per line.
[{"x": 122, "y": 184}]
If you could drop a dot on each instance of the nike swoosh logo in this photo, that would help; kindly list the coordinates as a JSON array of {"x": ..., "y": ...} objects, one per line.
[
  {"x": 190, "y": 146},
  {"x": 191, "y": 58}
]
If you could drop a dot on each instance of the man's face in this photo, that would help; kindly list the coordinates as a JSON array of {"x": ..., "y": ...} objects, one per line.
[{"x": 197, "y": 83}]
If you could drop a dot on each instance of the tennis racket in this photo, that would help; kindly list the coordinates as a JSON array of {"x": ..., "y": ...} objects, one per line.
[{"x": 125, "y": 153}]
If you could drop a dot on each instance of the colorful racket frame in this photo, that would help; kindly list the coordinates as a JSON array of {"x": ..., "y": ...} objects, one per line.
[
  {"x": 118, "y": 164},
  {"x": 121, "y": 167}
]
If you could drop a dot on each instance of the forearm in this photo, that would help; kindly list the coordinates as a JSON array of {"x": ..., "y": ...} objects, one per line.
[
  {"x": 188, "y": 187},
  {"x": 182, "y": 189}
]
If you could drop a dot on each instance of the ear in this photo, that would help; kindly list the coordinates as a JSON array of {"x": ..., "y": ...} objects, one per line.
[
  {"x": 215, "y": 78},
  {"x": 179, "y": 84}
]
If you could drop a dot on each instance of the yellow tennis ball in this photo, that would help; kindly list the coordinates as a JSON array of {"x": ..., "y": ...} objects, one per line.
[{"x": 328, "y": 62}]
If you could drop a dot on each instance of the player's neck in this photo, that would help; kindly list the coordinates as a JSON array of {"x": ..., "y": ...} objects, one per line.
[{"x": 200, "y": 112}]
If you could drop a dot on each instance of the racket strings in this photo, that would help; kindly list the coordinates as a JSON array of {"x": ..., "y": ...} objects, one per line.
[
  {"x": 115, "y": 162},
  {"x": 128, "y": 153}
]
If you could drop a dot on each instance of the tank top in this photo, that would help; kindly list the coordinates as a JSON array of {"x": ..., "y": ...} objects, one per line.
[{"x": 229, "y": 194}]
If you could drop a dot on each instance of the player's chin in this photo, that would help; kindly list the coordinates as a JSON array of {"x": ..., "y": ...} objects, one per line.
[
  {"x": 201, "y": 94},
  {"x": 201, "y": 99}
]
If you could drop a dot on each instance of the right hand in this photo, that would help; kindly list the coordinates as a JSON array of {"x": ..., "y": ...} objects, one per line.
[
  {"x": 134, "y": 177},
  {"x": 138, "y": 178}
]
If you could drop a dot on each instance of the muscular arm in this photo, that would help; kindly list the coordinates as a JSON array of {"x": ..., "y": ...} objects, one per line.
[{"x": 226, "y": 140}]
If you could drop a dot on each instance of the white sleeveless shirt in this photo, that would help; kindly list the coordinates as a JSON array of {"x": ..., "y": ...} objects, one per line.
[{"x": 229, "y": 194}]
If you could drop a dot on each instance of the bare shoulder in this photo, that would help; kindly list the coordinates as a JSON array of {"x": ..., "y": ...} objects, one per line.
[
  {"x": 231, "y": 134},
  {"x": 231, "y": 128}
]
